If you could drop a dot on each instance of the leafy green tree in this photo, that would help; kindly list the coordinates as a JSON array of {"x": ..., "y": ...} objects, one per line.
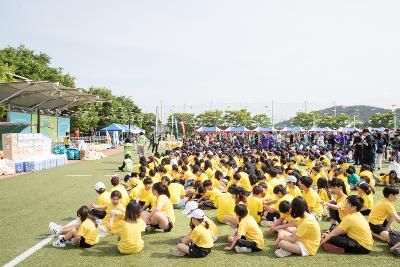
[
  {"x": 34, "y": 66},
  {"x": 210, "y": 118},
  {"x": 261, "y": 120},
  {"x": 385, "y": 120},
  {"x": 238, "y": 118},
  {"x": 5, "y": 71},
  {"x": 305, "y": 120}
]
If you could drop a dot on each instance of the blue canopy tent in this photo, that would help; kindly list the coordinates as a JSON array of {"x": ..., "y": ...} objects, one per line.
[
  {"x": 380, "y": 129},
  {"x": 133, "y": 129},
  {"x": 348, "y": 129},
  {"x": 114, "y": 128},
  {"x": 319, "y": 129},
  {"x": 292, "y": 129},
  {"x": 264, "y": 129},
  {"x": 240, "y": 129},
  {"x": 212, "y": 129}
]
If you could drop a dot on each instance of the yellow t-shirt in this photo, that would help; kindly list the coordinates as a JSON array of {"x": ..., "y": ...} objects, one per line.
[
  {"x": 309, "y": 233},
  {"x": 176, "y": 192},
  {"x": 274, "y": 182},
  {"x": 130, "y": 236},
  {"x": 368, "y": 174},
  {"x": 342, "y": 203},
  {"x": 212, "y": 194},
  {"x": 165, "y": 206},
  {"x": 323, "y": 195},
  {"x": 249, "y": 228},
  {"x": 215, "y": 182},
  {"x": 313, "y": 202},
  {"x": 315, "y": 178},
  {"x": 89, "y": 231},
  {"x": 245, "y": 181},
  {"x": 368, "y": 200},
  {"x": 295, "y": 191},
  {"x": 213, "y": 227},
  {"x": 151, "y": 200},
  {"x": 225, "y": 206},
  {"x": 357, "y": 228},
  {"x": 124, "y": 193},
  {"x": 202, "y": 177},
  {"x": 287, "y": 217},
  {"x": 202, "y": 237},
  {"x": 286, "y": 197},
  {"x": 120, "y": 207},
  {"x": 381, "y": 211},
  {"x": 104, "y": 198},
  {"x": 144, "y": 194},
  {"x": 209, "y": 172},
  {"x": 188, "y": 175},
  {"x": 255, "y": 206}
]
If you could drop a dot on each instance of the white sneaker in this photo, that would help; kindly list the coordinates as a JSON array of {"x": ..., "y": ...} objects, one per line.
[
  {"x": 102, "y": 231},
  {"x": 176, "y": 252},
  {"x": 55, "y": 229},
  {"x": 265, "y": 223},
  {"x": 59, "y": 244},
  {"x": 215, "y": 239},
  {"x": 242, "y": 249},
  {"x": 281, "y": 253}
]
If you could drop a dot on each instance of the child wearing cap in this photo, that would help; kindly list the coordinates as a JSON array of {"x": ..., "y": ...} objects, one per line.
[
  {"x": 292, "y": 188},
  {"x": 103, "y": 199},
  {"x": 193, "y": 205},
  {"x": 199, "y": 242}
]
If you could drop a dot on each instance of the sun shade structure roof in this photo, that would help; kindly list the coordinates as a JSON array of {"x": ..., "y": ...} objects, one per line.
[{"x": 42, "y": 95}]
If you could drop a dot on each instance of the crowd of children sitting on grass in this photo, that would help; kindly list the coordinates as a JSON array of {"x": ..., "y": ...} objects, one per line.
[{"x": 286, "y": 190}]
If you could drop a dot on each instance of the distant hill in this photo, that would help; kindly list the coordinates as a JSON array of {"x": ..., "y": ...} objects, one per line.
[{"x": 361, "y": 111}]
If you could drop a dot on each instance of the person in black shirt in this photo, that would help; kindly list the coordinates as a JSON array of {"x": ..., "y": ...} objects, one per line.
[
  {"x": 368, "y": 150},
  {"x": 357, "y": 143}
]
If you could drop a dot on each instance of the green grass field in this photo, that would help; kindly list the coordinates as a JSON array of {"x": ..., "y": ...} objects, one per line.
[{"x": 29, "y": 202}]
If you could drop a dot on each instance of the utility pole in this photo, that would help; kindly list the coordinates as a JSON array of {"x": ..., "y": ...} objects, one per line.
[
  {"x": 305, "y": 106},
  {"x": 334, "y": 104},
  {"x": 272, "y": 113}
]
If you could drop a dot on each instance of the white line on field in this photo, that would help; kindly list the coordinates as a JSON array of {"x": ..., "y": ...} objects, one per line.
[
  {"x": 32, "y": 250},
  {"x": 78, "y": 175},
  {"x": 29, "y": 252},
  {"x": 110, "y": 175}
]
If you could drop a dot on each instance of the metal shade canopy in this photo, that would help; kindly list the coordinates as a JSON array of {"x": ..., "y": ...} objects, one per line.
[{"x": 43, "y": 95}]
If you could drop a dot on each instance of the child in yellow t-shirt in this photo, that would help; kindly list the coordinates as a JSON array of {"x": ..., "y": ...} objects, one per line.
[
  {"x": 130, "y": 230},
  {"x": 384, "y": 213},
  {"x": 209, "y": 198},
  {"x": 366, "y": 193},
  {"x": 200, "y": 241},
  {"x": 285, "y": 221},
  {"x": 85, "y": 235},
  {"x": 145, "y": 192},
  {"x": 255, "y": 203},
  {"x": 324, "y": 193}
]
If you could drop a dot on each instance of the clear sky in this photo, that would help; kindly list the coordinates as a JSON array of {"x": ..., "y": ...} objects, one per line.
[{"x": 197, "y": 55}]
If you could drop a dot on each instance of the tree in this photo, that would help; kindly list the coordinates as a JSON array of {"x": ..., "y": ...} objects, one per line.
[
  {"x": 146, "y": 121},
  {"x": 326, "y": 121},
  {"x": 210, "y": 118},
  {"x": 305, "y": 120},
  {"x": 342, "y": 120},
  {"x": 261, "y": 120},
  {"x": 5, "y": 71},
  {"x": 34, "y": 66},
  {"x": 385, "y": 120},
  {"x": 237, "y": 118}
]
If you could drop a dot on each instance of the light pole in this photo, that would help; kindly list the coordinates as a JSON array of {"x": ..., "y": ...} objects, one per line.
[
  {"x": 354, "y": 118},
  {"x": 395, "y": 118}
]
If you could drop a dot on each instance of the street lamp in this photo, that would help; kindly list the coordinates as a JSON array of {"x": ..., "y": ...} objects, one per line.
[
  {"x": 395, "y": 118},
  {"x": 354, "y": 117}
]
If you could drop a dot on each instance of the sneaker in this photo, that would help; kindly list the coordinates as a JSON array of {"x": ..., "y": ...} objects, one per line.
[
  {"x": 55, "y": 229},
  {"x": 265, "y": 223},
  {"x": 396, "y": 252},
  {"x": 332, "y": 249},
  {"x": 59, "y": 244},
  {"x": 281, "y": 253},
  {"x": 242, "y": 249},
  {"x": 102, "y": 231},
  {"x": 159, "y": 230},
  {"x": 215, "y": 239},
  {"x": 176, "y": 252},
  {"x": 150, "y": 228}
]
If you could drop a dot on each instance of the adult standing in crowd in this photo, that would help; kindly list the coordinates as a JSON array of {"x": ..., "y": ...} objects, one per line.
[
  {"x": 396, "y": 146},
  {"x": 141, "y": 144},
  {"x": 357, "y": 143},
  {"x": 368, "y": 149}
]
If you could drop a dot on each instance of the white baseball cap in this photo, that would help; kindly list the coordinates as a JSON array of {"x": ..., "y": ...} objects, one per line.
[
  {"x": 99, "y": 186},
  {"x": 190, "y": 206},
  {"x": 197, "y": 214},
  {"x": 291, "y": 179}
]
